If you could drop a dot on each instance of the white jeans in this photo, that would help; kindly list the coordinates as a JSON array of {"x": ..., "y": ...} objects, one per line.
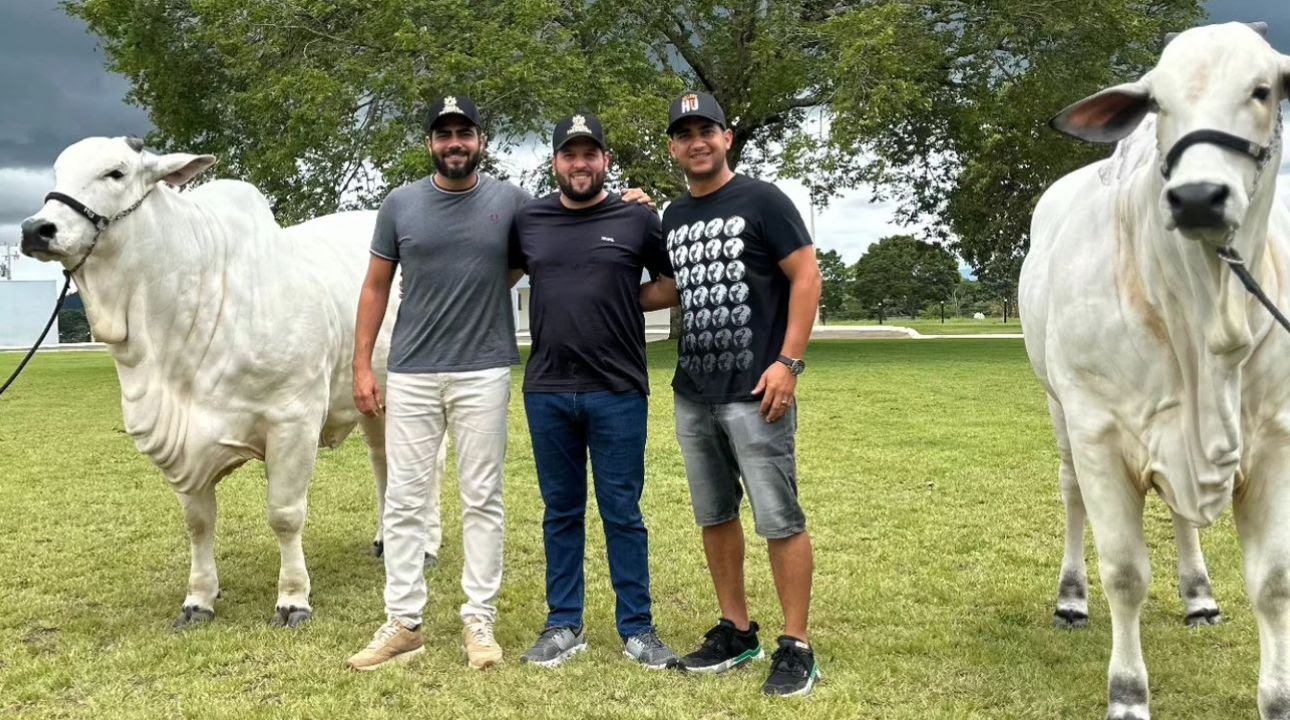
[{"x": 419, "y": 409}]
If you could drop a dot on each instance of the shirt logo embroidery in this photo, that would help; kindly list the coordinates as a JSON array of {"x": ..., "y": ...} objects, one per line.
[{"x": 606, "y": 239}]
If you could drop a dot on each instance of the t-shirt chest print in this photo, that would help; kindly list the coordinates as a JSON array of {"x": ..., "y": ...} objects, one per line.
[{"x": 707, "y": 257}]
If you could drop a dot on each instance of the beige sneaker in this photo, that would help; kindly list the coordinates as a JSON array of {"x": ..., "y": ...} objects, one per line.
[
  {"x": 481, "y": 649},
  {"x": 392, "y": 643}
]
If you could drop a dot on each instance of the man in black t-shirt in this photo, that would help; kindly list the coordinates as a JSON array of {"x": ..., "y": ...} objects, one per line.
[
  {"x": 586, "y": 387},
  {"x": 749, "y": 286}
]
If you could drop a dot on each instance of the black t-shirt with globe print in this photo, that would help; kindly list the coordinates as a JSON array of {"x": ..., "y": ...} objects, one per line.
[{"x": 725, "y": 248}]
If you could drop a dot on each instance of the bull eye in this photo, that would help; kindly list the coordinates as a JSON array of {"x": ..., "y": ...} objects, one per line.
[
  {"x": 115, "y": 175},
  {"x": 1262, "y": 93}
]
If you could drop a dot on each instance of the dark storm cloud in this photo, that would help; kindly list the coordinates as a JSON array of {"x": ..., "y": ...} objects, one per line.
[
  {"x": 1276, "y": 13},
  {"x": 54, "y": 86}
]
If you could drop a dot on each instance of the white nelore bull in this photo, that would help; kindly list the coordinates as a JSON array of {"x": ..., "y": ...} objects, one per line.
[
  {"x": 1162, "y": 372},
  {"x": 233, "y": 338}
]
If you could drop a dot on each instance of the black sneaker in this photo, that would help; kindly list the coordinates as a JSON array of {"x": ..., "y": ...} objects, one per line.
[
  {"x": 793, "y": 670},
  {"x": 724, "y": 648}
]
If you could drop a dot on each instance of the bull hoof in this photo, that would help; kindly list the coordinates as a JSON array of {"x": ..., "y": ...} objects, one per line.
[
  {"x": 378, "y": 548},
  {"x": 1204, "y": 617},
  {"x": 192, "y": 615},
  {"x": 432, "y": 561},
  {"x": 1066, "y": 619},
  {"x": 291, "y": 617}
]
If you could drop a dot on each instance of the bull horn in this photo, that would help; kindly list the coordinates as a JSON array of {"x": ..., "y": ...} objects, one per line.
[
  {"x": 136, "y": 144},
  {"x": 1258, "y": 27}
]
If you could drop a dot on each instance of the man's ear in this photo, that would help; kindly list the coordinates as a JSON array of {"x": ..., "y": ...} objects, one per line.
[{"x": 1105, "y": 117}]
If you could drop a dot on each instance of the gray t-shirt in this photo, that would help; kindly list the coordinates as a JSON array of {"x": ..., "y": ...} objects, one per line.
[{"x": 456, "y": 312}]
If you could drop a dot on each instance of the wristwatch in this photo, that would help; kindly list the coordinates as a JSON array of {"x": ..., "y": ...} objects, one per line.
[{"x": 797, "y": 367}]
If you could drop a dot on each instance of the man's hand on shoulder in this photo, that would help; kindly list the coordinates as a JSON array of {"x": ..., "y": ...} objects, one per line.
[{"x": 637, "y": 196}]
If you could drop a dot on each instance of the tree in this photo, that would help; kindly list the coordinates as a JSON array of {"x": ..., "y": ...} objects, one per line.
[
  {"x": 938, "y": 103},
  {"x": 73, "y": 326},
  {"x": 900, "y": 272},
  {"x": 951, "y": 98},
  {"x": 317, "y": 101},
  {"x": 837, "y": 278}
]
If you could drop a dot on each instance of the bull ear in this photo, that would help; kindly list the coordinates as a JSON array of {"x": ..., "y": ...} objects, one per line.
[
  {"x": 1107, "y": 117},
  {"x": 1259, "y": 27},
  {"x": 179, "y": 168}
]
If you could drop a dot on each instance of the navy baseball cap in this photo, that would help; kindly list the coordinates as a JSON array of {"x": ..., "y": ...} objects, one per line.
[
  {"x": 695, "y": 105},
  {"x": 452, "y": 106},
  {"x": 579, "y": 125}
]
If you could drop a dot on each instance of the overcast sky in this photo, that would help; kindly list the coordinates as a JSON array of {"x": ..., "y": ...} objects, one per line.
[{"x": 57, "y": 92}]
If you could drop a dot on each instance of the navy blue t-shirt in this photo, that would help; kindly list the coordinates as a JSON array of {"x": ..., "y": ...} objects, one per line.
[
  {"x": 585, "y": 269},
  {"x": 725, "y": 248}
]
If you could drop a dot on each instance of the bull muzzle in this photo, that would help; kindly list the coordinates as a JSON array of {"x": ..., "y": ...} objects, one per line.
[
  {"x": 36, "y": 235},
  {"x": 1199, "y": 205}
]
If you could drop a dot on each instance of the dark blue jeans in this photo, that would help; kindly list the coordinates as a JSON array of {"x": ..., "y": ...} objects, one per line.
[{"x": 564, "y": 427}]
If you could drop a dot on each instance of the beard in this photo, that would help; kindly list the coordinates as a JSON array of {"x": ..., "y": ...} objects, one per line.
[
  {"x": 472, "y": 162},
  {"x": 700, "y": 176},
  {"x": 566, "y": 186}
]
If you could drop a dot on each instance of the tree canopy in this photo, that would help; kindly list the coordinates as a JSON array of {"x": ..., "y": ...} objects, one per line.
[
  {"x": 901, "y": 273},
  {"x": 940, "y": 104}
]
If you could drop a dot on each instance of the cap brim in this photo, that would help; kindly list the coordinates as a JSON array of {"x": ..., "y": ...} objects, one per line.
[
  {"x": 693, "y": 116},
  {"x": 445, "y": 116},
  {"x": 570, "y": 138}
]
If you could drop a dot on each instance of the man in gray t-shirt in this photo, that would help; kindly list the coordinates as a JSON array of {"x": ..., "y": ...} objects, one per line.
[
  {"x": 456, "y": 307},
  {"x": 449, "y": 368}
]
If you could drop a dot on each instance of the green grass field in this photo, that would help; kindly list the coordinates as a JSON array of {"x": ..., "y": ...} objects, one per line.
[{"x": 929, "y": 479}]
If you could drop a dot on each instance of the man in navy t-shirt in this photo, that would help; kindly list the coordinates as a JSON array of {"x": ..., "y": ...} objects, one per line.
[
  {"x": 749, "y": 287},
  {"x": 586, "y": 387}
]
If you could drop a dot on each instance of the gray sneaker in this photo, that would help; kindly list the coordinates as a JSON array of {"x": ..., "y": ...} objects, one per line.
[
  {"x": 649, "y": 651},
  {"x": 554, "y": 646}
]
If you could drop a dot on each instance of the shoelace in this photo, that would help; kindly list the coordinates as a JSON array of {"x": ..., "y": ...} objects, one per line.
[
  {"x": 482, "y": 632},
  {"x": 383, "y": 635},
  {"x": 650, "y": 641},
  {"x": 788, "y": 659},
  {"x": 718, "y": 639},
  {"x": 549, "y": 632}
]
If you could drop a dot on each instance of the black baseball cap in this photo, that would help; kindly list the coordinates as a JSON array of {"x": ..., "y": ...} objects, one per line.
[
  {"x": 452, "y": 105},
  {"x": 578, "y": 125},
  {"x": 695, "y": 104}
]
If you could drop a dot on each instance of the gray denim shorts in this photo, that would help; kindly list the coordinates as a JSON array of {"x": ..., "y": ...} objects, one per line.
[{"x": 723, "y": 442}]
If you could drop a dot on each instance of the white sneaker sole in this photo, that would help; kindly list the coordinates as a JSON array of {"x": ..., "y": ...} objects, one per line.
[
  {"x": 399, "y": 659},
  {"x": 810, "y": 684},
  {"x": 647, "y": 666},
  {"x": 730, "y": 664},
  {"x": 558, "y": 660},
  {"x": 483, "y": 664}
]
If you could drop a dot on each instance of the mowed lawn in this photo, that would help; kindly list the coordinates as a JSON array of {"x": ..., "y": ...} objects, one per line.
[{"x": 929, "y": 478}]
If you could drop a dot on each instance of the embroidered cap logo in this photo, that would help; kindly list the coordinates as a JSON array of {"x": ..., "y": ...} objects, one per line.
[
  {"x": 450, "y": 106},
  {"x": 578, "y": 125},
  {"x": 689, "y": 103}
]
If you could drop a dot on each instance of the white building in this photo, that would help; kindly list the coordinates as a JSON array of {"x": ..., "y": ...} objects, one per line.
[
  {"x": 25, "y": 306},
  {"x": 657, "y": 323}
]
